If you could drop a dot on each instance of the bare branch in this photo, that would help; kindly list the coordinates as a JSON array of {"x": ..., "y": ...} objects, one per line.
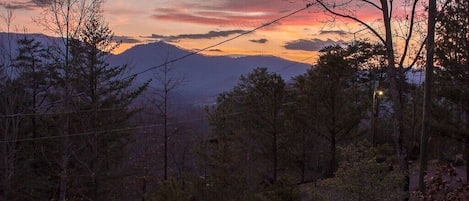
[
  {"x": 409, "y": 35},
  {"x": 391, "y": 2},
  {"x": 418, "y": 53},
  {"x": 352, "y": 18},
  {"x": 373, "y": 4}
]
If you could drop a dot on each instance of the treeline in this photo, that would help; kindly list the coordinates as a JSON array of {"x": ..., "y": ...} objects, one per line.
[
  {"x": 72, "y": 129},
  {"x": 62, "y": 110}
]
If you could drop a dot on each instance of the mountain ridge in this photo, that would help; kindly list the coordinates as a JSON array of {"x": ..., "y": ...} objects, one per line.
[{"x": 204, "y": 76}]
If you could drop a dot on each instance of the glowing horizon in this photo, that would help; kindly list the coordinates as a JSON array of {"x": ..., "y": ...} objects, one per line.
[{"x": 192, "y": 26}]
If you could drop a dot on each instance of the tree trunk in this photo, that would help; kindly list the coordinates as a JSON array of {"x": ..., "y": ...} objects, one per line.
[
  {"x": 332, "y": 162},
  {"x": 165, "y": 118},
  {"x": 427, "y": 94},
  {"x": 396, "y": 81},
  {"x": 303, "y": 158},
  {"x": 274, "y": 143},
  {"x": 466, "y": 157},
  {"x": 63, "y": 183}
]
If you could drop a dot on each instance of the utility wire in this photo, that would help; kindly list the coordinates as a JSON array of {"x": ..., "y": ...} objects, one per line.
[
  {"x": 127, "y": 128},
  {"x": 110, "y": 131},
  {"x": 98, "y": 132},
  {"x": 191, "y": 54},
  {"x": 222, "y": 42},
  {"x": 155, "y": 67}
]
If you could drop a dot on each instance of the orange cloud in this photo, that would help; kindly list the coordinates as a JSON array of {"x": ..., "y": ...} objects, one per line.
[{"x": 234, "y": 13}]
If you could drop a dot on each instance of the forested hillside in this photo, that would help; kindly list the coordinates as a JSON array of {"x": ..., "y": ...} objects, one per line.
[{"x": 79, "y": 123}]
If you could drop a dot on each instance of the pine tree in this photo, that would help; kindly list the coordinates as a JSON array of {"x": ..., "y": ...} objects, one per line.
[
  {"x": 248, "y": 135},
  {"x": 102, "y": 108},
  {"x": 330, "y": 95},
  {"x": 32, "y": 68}
]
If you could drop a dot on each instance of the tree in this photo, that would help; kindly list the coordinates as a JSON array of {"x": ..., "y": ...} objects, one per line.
[
  {"x": 330, "y": 97},
  {"x": 248, "y": 133},
  {"x": 32, "y": 67},
  {"x": 263, "y": 96},
  {"x": 428, "y": 90},
  {"x": 23, "y": 91},
  {"x": 227, "y": 152},
  {"x": 398, "y": 62},
  {"x": 13, "y": 101},
  {"x": 32, "y": 78},
  {"x": 65, "y": 18},
  {"x": 166, "y": 86},
  {"x": 102, "y": 107},
  {"x": 303, "y": 156},
  {"x": 452, "y": 75}
]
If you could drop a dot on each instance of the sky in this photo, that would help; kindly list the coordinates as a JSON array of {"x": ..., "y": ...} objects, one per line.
[{"x": 194, "y": 25}]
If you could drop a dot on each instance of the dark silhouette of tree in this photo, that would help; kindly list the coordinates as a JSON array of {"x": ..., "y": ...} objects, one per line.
[
  {"x": 103, "y": 105},
  {"x": 331, "y": 98},
  {"x": 248, "y": 135},
  {"x": 399, "y": 60},
  {"x": 263, "y": 95},
  {"x": 427, "y": 101},
  {"x": 66, "y": 19},
  {"x": 166, "y": 84},
  {"x": 452, "y": 72}
]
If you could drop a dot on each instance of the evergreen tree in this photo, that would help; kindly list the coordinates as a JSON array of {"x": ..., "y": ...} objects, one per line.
[
  {"x": 23, "y": 94},
  {"x": 263, "y": 96},
  {"x": 228, "y": 166},
  {"x": 248, "y": 135},
  {"x": 32, "y": 68},
  {"x": 13, "y": 102},
  {"x": 330, "y": 96},
  {"x": 102, "y": 110}
]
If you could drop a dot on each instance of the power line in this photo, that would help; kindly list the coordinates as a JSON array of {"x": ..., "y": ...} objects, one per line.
[
  {"x": 98, "y": 132},
  {"x": 222, "y": 42},
  {"x": 152, "y": 68},
  {"x": 127, "y": 128},
  {"x": 188, "y": 55}
]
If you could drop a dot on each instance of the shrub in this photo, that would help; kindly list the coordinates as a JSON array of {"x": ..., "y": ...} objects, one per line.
[{"x": 365, "y": 173}]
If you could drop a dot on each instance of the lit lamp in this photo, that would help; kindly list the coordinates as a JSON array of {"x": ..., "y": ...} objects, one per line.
[{"x": 374, "y": 113}]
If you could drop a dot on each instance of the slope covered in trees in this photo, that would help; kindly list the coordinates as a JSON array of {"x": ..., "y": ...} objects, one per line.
[{"x": 75, "y": 126}]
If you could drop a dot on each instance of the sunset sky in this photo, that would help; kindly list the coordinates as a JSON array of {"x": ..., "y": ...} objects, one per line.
[{"x": 193, "y": 25}]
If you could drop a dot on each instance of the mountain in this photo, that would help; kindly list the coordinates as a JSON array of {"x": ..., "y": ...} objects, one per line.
[
  {"x": 8, "y": 41},
  {"x": 203, "y": 76}
]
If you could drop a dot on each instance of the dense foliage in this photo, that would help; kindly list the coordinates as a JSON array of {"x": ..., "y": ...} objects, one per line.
[{"x": 73, "y": 127}]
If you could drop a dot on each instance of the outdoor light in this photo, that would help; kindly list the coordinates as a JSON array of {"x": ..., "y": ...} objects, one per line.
[{"x": 374, "y": 114}]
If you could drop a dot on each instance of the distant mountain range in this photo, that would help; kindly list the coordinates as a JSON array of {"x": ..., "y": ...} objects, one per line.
[{"x": 202, "y": 77}]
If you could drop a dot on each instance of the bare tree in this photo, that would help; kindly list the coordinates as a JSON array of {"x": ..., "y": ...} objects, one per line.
[
  {"x": 162, "y": 97},
  {"x": 12, "y": 100},
  {"x": 65, "y": 18},
  {"x": 11, "y": 97}
]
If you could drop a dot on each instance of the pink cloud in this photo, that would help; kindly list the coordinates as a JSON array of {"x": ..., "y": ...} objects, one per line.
[
  {"x": 181, "y": 17},
  {"x": 234, "y": 13},
  {"x": 244, "y": 14}
]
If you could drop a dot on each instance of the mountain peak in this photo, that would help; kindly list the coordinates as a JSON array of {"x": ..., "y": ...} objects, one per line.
[{"x": 159, "y": 48}]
